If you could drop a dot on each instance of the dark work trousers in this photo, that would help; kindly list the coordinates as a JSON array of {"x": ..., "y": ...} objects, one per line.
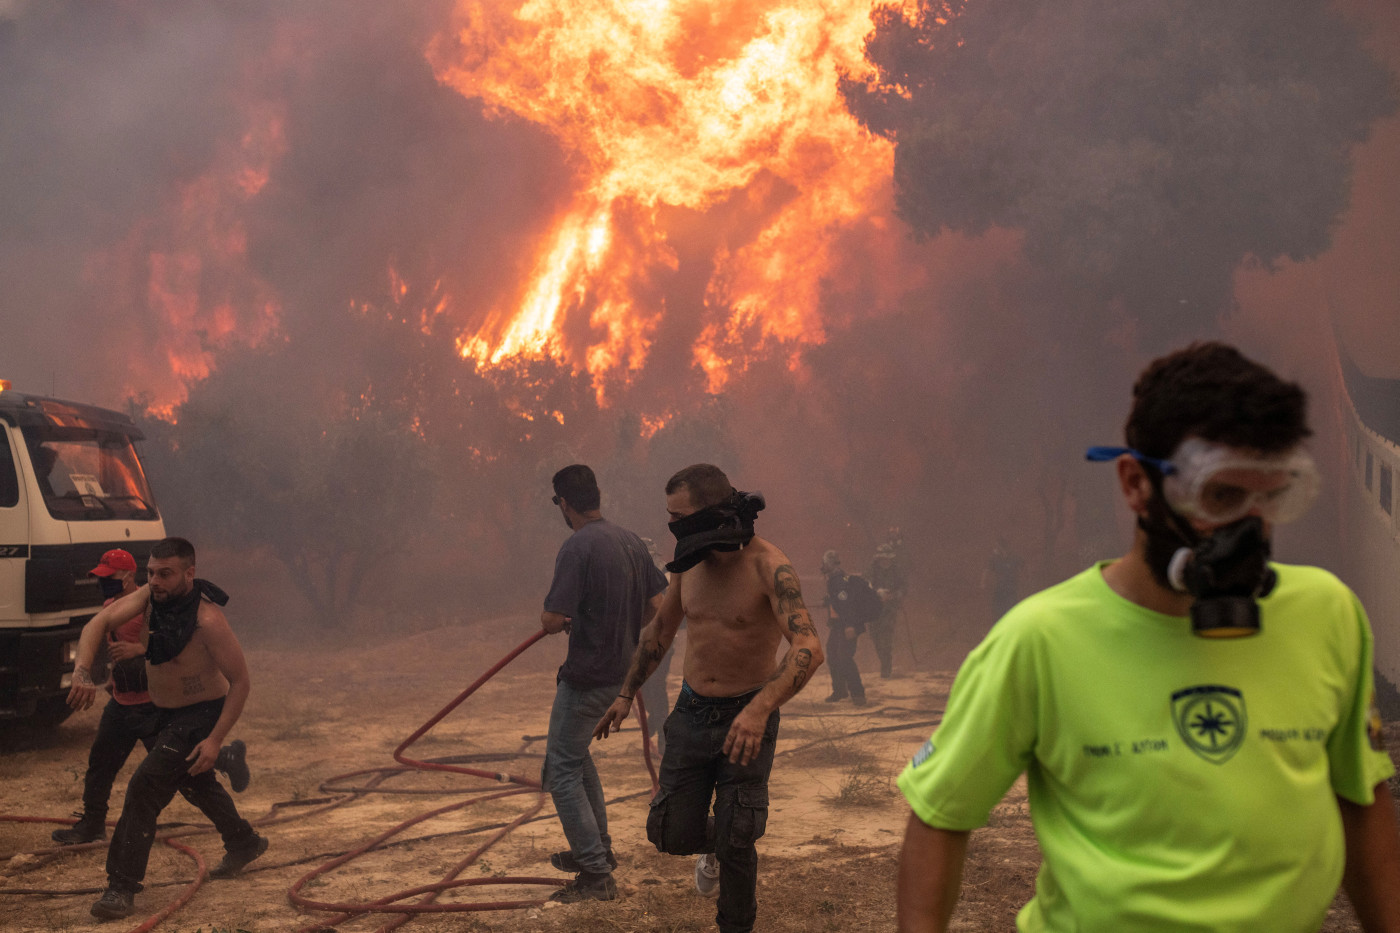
[
  {"x": 882, "y": 634},
  {"x": 841, "y": 661},
  {"x": 155, "y": 782},
  {"x": 693, "y": 771},
  {"x": 121, "y": 727}
]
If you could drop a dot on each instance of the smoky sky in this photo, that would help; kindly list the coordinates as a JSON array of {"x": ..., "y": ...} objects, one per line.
[
  {"x": 115, "y": 114},
  {"x": 132, "y": 239}
]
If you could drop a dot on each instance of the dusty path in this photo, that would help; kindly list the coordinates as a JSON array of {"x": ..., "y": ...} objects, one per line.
[
  {"x": 314, "y": 715},
  {"x": 828, "y": 858}
]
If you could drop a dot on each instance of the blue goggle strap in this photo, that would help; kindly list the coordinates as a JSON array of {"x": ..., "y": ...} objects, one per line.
[{"x": 1104, "y": 454}]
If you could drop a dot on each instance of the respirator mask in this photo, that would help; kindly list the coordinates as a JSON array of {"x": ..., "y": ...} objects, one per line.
[
  {"x": 1236, "y": 491},
  {"x": 726, "y": 526}
]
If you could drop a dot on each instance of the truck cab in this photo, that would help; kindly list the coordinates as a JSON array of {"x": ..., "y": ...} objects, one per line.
[{"x": 71, "y": 488}]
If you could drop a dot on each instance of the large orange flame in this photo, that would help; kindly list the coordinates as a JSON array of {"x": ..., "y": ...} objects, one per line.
[
  {"x": 185, "y": 266},
  {"x": 676, "y": 104}
]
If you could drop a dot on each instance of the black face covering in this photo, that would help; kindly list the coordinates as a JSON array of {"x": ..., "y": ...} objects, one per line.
[
  {"x": 110, "y": 586},
  {"x": 727, "y": 526},
  {"x": 1225, "y": 571},
  {"x": 172, "y": 623}
]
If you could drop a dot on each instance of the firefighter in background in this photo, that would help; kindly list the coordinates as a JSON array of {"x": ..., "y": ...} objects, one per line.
[
  {"x": 894, "y": 538},
  {"x": 853, "y": 606},
  {"x": 887, "y": 576}
]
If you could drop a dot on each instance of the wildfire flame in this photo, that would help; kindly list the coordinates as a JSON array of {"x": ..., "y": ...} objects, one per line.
[
  {"x": 726, "y": 109},
  {"x": 186, "y": 266}
]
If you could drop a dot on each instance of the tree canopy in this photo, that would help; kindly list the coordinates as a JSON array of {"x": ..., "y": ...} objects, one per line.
[{"x": 1144, "y": 149}]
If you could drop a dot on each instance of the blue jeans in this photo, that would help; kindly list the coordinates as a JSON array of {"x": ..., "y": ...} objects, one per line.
[
  {"x": 570, "y": 776},
  {"x": 695, "y": 770}
]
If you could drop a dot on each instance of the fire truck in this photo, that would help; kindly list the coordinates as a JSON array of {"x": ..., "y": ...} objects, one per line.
[{"x": 71, "y": 488}]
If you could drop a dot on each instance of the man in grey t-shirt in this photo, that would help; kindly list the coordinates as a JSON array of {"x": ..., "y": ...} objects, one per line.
[{"x": 605, "y": 589}]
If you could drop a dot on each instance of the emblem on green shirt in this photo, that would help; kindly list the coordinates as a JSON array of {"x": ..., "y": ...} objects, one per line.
[{"x": 1211, "y": 720}]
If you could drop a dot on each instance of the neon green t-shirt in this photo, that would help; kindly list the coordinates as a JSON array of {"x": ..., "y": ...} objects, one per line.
[{"x": 1176, "y": 782}]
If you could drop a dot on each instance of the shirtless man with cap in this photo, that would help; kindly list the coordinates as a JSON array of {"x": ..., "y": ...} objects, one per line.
[{"x": 741, "y": 598}]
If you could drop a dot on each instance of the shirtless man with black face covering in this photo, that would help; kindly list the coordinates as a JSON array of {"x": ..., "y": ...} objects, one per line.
[
  {"x": 740, "y": 598},
  {"x": 198, "y": 681}
]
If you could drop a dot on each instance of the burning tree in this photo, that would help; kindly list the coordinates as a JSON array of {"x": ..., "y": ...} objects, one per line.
[{"x": 387, "y": 475}]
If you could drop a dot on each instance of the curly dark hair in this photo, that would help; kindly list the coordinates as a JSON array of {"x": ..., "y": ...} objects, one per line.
[{"x": 1212, "y": 391}]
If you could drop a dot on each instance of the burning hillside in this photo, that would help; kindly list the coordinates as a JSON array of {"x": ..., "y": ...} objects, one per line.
[{"x": 718, "y": 114}]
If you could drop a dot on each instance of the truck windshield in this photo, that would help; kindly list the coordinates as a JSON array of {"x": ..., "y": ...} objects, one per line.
[{"x": 89, "y": 475}]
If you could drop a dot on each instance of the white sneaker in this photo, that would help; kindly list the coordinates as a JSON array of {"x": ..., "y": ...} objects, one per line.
[{"x": 707, "y": 875}]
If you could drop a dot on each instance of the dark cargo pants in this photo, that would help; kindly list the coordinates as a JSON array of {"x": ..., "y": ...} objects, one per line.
[
  {"x": 120, "y": 728},
  {"x": 694, "y": 771},
  {"x": 164, "y": 771}
]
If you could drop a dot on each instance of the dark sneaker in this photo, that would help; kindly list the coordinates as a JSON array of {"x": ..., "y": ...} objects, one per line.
[
  {"x": 586, "y": 887},
  {"x": 234, "y": 860},
  {"x": 859, "y": 701},
  {"x": 114, "y": 904},
  {"x": 565, "y": 861},
  {"x": 85, "y": 830},
  {"x": 836, "y": 698},
  {"x": 707, "y": 875},
  {"x": 233, "y": 761}
]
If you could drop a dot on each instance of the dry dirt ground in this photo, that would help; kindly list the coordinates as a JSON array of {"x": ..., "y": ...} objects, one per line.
[{"x": 827, "y": 862}]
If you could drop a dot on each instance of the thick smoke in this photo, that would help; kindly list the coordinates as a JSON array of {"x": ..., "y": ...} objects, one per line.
[
  {"x": 1146, "y": 154},
  {"x": 180, "y": 178},
  {"x": 278, "y": 210}
]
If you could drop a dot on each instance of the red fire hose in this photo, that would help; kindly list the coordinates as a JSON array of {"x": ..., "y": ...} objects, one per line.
[
  {"x": 387, "y": 904},
  {"x": 390, "y": 903}
]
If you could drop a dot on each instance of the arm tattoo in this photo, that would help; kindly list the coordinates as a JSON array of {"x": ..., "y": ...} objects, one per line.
[
  {"x": 788, "y": 589},
  {"x": 801, "y": 662},
  {"x": 789, "y": 593},
  {"x": 644, "y": 662},
  {"x": 798, "y": 627}
]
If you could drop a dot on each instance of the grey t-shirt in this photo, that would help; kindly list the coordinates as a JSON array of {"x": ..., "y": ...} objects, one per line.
[{"x": 603, "y": 578}]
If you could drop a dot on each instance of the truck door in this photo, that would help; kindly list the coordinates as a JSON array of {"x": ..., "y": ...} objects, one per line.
[{"x": 14, "y": 529}]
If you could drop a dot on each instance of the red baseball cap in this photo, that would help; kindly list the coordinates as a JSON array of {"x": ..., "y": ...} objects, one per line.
[{"x": 114, "y": 561}]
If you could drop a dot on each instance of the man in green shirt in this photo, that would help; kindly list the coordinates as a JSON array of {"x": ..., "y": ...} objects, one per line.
[{"x": 1222, "y": 772}]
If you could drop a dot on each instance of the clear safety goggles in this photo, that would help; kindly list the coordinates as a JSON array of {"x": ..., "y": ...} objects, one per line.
[{"x": 1220, "y": 484}]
